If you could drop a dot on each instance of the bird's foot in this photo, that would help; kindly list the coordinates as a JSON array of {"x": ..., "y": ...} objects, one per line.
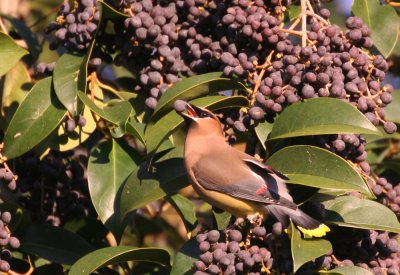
[{"x": 255, "y": 219}]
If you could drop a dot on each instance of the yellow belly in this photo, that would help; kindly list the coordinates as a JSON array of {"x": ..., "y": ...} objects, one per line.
[{"x": 237, "y": 207}]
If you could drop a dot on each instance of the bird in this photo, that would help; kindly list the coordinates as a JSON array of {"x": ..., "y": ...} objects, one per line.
[{"x": 235, "y": 181}]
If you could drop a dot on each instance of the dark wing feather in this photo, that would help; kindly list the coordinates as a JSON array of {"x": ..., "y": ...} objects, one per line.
[{"x": 216, "y": 173}]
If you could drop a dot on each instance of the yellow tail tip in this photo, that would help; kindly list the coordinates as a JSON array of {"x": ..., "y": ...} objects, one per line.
[{"x": 320, "y": 231}]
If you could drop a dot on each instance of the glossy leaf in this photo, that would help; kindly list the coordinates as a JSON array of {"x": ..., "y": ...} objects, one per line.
[
  {"x": 222, "y": 219},
  {"x": 16, "y": 84},
  {"x": 185, "y": 208},
  {"x": 117, "y": 113},
  {"x": 89, "y": 228},
  {"x": 382, "y": 21},
  {"x": 26, "y": 34},
  {"x": 193, "y": 87},
  {"x": 64, "y": 140},
  {"x": 37, "y": 116},
  {"x": 185, "y": 258},
  {"x": 143, "y": 187},
  {"x": 136, "y": 129},
  {"x": 65, "y": 80},
  {"x": 312, "y": 166},
  {"x": 110, "y": 13},
  {"x": 321, "y": 116},
  {"x": 293, "y": 11},
  {"x": 54, "y": 244},
  {"x": 347, "y": 270},
  {"x": 110, "y": 163},
  {"x": 119, "y": 254},
  {"x": 351, "y": 211},
  {"x": 392, "y": 110},
  {"x": 263, "y": 129},
  {"x": 83, "y": 71},
  {"x": 160, "y": 130},
  {"x": 10, "y": 53},
  {"x": 305, "y": 250}
]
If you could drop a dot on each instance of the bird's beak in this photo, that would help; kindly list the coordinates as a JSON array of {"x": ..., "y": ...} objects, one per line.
[{"x": 191, "y": 113}]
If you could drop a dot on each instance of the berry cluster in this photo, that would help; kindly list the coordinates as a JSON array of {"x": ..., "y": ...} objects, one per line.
[
  {"x": 376, "y": 251},
  {"x": 348, "y": 146},
  {"x": 70, "y": 123},
  {"x": 55, "y": 187},
  {"x": 330, "y": 64},
  {"x": 182, "y": 38},
  {"x": 75, "y": 26},
  {"x": 45, "y": 69},
  {"x": 9, "y": 177},
  {"x": 6, "y": 240},
  {"x": 230, "y": 253},
  {"x": 150, "y": 32},
  {"x": 245, "y": 39},
  {"x": 388, "y": 194}
]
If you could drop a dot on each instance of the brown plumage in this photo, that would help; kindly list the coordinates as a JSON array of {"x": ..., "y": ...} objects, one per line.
[{"x": 235, "y": 181}]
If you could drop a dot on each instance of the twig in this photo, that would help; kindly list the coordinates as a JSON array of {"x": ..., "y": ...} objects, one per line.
[
  {"x": 319, "y": 18},
  {"x": 260, "y": 77},
  {"x": 303, "y": 23},
  {"x": 295, "y": 23},
  {"x": 289, "y": 31}
]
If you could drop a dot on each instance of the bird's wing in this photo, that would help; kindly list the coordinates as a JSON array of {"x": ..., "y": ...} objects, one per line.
[
  {"x": 255, "y": 164},
  {"x": 268, "y": 168},
  {"x": 239, "y": 180}
]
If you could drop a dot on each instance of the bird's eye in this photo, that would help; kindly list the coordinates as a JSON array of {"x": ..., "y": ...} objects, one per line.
[{"x": 204, "y": 114}]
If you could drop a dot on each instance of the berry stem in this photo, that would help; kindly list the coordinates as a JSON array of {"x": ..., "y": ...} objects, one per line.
[
  {"x": 303, "y": 22},
  {"x": 260, "y": 77},
  {"x": 319, "y": 18}
]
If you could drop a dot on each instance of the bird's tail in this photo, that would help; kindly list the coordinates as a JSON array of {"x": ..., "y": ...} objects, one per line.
[{"x": 306, "y": 224}]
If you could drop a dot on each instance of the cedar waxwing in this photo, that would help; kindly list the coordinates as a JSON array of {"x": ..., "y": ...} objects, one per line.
[{"x": 235, "y": 181}]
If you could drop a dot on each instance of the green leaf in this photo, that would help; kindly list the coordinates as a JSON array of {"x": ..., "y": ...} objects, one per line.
[
  {"x": 263, "y": 129},
  {"x": 37, "y": 116},
  {"x": 65, "y": 80},
  {"x": 10, "y": 53},
  {"x": 348, "y": 270},
  {"x": 350, "y": 211},
  {"x": 110, "y": 13},
  {"x": 54, "y": 244},
  {"x": 16, "y": 84},
  {"x": 26, "y": 33},
  {"x": 312, "y": 166},
  {"x": 110, "y": 163},
  {"x": 89, "y": 228},
  {"x": 293, "y": 11},
  {"x": 185, "y": 209},
  {"x": 193, "y": 87},
  {"x": 305, "y": 250},
  {"x": 143, "y": 187},
  {"x": 185, "y": 258},
  {"x": 222, "y": 219},
  {"x": 159, "y": 131},
  {"x": 63, "y": 140},
  {"x": 118, "y": 113},
  {"x": 382, "y": 21},
  {"x": 392, "y": 110},
  {"x": 114, "y": 255},
  {"x": 136, "y": 129},
  {"x": 83, "y": 72},
  {"x": 321, "y": 116}
]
